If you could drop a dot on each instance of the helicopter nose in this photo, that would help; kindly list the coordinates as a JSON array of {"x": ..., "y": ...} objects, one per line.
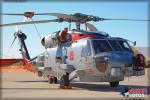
[{"x": 103, "y": 63}]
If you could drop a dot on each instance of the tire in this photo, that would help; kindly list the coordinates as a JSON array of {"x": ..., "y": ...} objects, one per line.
[
  {"x": 55, "y": 80},
  {"x": 50, "y": 80},
  {"x": 64, "y": 81},
  {"x": 114, "y": 84},
  {"x": 40, "y": 74}
]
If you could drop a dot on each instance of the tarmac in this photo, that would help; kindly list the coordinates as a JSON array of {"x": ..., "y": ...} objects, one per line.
[{"x": 27, "y": 85}]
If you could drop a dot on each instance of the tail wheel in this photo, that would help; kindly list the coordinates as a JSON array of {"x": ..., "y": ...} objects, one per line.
[
  {"x": 40, "y": 74},
  {"x": 50, "y": 80},
  {"x": 55, "y": 80},
  {"x": 114, "y": 84}
]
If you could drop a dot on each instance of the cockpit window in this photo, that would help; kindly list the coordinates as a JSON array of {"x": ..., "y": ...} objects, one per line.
[
  {"x": 101, "y": 46},
  {"x": 125, "y": 46},
  {"x": 115, "y": 45}
]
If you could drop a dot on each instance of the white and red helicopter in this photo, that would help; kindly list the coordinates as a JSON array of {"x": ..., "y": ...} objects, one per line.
[{"x": 91, "y": 55}]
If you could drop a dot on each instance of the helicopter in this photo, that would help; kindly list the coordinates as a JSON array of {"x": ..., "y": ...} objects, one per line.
[{"x": 91, "y": 55}]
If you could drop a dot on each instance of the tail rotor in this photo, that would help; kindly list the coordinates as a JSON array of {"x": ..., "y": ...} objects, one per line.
[{"x": 15, "y": 37}]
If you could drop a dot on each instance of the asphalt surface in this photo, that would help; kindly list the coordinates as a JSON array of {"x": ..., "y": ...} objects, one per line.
[{"x": 28, "y": 85}]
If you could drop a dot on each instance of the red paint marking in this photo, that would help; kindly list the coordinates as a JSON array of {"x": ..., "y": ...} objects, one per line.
[
  {"x": 29, "y": 67},
  {"x": 76, "y": 36},
  {"x": 71, "y": 55}
]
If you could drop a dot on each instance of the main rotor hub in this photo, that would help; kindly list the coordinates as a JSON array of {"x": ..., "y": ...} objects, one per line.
[{"x": 83, "y": 18}]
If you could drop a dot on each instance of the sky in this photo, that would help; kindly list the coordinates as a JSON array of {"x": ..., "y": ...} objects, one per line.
[{"x": 134, "y": 31}]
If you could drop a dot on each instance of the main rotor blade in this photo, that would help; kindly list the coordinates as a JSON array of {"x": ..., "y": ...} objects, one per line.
[
  {"x": 60, "y": 15},
  {"x": 29, "y": 22},
  {"x": 126, "y": 19},
  {"x": 53, "y": 14},
  {"x": 90, "y": 27},
  {"x": 69, "y": 16},
  {"x": 12, "y": 14}
]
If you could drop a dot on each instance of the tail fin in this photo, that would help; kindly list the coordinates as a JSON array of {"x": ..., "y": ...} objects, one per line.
[
  {"x": 25, "y": 54},
  {"x": 23, "y": 48}
]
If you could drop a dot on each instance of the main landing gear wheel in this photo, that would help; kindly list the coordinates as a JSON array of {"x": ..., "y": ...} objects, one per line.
[
  {"x": 52, "y": 80},
  {"x": 114, "y": 84},
  {"x": 65, "y": 82},
  {"x": 55, "y": 80},
  {"x": 40, "y": 74}
]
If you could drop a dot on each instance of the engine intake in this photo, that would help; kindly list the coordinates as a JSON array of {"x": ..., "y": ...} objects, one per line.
[{"x": 51, "y": 40}]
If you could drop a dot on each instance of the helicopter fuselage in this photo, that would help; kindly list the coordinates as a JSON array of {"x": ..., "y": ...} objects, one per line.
[{"x": 91, "y": 59}]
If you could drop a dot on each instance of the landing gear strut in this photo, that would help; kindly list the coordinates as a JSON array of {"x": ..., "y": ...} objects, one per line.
[{"x": 64, "y": 81}]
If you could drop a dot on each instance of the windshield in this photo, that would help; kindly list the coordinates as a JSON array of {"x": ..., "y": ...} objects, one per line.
[
  {"x": 124, "y": 45},
  {"x": 115, "y": 45},
  {"x": 110, "y": 45}
]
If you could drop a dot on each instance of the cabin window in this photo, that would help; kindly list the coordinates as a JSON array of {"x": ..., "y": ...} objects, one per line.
[
  {"x": 85, "y": 49},
  {"x": 101, "y": 46}
]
